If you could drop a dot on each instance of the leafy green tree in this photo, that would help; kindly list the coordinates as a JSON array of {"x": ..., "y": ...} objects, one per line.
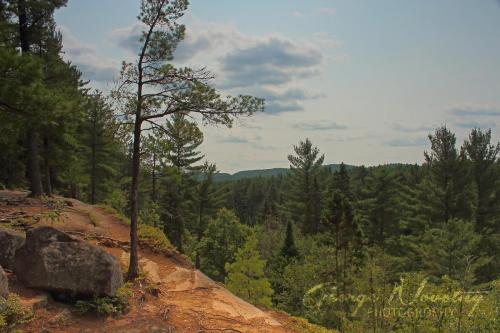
[
  {"x": 155, "y": 147},
  {"x": 335, "y": 225},
  {"x": 102, "y": 146},
  {"x": 45, "y": 92},
  {"x": 173, "y": 206},
  {"x": 342, "y": 181},
  {"x": 15, "y": 74},
  {"x": 446, "y": 191},
  {"x": 289, "y": 250},
  {"x": 343, "y": 234},
  {"x": 249, "y": 199},
  {"x": 270, "y": 208},
  {"x": 184, "y": 139},
  {"x": 300, "y": 275},
  {"x": 482, "y": 156},
  {"x": 380, "y": 207},
  {"x": 152, "y": 89},
  {"x": 305, "y": 166},
  {"x": 30, "y": 26},
  {"x": 59, "y": 120},
  {"x": 222, "y": 239},
  {"x": 206, "y": 202},
  {"x": 245, "y": 276},
  {"x": 281, "y": 257},
  {"x": 451, "y": 249}
]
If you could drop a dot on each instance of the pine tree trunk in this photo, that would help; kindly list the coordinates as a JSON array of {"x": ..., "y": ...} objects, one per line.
[
  {"x": 133, "y": 270},
  {"x": 23, "y": 27},
  {"x": 93, "y": 176},
  {"x": 33, "y": 164},
  {"x": 199, "y": 236},
  {"x": 344, "y": 278},
  {"x": 48, "y": 176},
  {"x": 154, "y": 178},
  {"x": 337, "y": 266}
]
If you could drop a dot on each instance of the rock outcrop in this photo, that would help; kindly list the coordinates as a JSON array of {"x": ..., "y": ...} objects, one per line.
[
  {"x": 10, "y": 242},
  {"x": 4, "y": 284},
  {"x": 53, "y": 261}
]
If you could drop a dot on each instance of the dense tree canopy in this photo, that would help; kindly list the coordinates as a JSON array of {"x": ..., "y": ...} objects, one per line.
[{"x": 304, "y": 241}]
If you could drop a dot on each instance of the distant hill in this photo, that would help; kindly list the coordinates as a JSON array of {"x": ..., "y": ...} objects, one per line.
[{"x": 247, "y": 174}]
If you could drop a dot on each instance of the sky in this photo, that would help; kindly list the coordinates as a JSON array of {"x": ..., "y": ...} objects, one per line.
[{"x": 365, "y": 81}]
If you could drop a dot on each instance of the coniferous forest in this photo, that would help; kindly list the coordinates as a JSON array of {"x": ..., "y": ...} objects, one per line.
[{"x": 387, "y": 248}]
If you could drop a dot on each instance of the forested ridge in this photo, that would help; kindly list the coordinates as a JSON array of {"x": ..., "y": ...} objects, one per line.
[
  {"x": 222, "y": 176},
  {"x": 331, "y": 244}
]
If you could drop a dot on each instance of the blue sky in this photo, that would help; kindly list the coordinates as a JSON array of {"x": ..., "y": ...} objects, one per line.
[{"x": 366, "y": 81}]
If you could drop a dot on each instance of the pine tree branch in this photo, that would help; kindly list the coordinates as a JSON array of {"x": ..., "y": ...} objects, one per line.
[{"x": 10, "y": 109}]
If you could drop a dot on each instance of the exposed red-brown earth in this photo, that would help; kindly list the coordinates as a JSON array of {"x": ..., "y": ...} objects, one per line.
[{"x": 188, "y": 301}]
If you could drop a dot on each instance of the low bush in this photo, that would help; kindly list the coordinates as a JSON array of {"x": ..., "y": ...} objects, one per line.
[
  {"x": 149, "y": 236},
  {"x": 12, "y": 313},
  {"x": 154, "y": 238},
  {"x": 118, "y": 304},
  {"x": 303, "y": 326}
]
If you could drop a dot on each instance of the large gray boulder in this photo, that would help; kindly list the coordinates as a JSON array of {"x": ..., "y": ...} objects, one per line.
[
  {"x": 53, "y": 261},
  {"x": 4, "y": 284},
  {"x": 10, "y": 242}
]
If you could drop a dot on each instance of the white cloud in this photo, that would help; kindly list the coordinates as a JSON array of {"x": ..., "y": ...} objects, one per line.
[
  {"x": 274, "y": 61},
  {"x": 413, "y": 128},
  {"x": 475, "y": 112},
  {"x": 268, "y": 66},
  {"x": 87, "y": 58},
  {"x": 407, "y": 142},
  {"x": 327, "y": 10},
  {"x": 128, "y": 38},
  {"x": 324, "y": 40},
  {"x": 322, "y": 125}
]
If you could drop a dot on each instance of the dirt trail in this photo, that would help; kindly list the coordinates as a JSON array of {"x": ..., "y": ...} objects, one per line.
[{"x": 188, "y": 301}]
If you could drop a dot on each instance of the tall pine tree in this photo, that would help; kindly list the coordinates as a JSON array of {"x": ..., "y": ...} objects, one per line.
[
  {"x": 305, "y": 167},
  {"x": 152, "y": 89}
]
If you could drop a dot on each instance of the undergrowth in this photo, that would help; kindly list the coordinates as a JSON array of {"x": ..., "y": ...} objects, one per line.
[
  {"x": 55, "y": 212},
  {"x": 150, "y": 236},
  {"x": 303, "y": 326},
  {"x": 12, "y": 313},
  {"x": 118, "y": 304},
  {"x": 154, "y": 238}
]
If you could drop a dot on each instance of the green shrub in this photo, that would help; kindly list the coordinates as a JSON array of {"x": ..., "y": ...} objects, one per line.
[
  {"x": 150, "y": 214},
  {"x": 55, "y": 212},
  {"x": 117, "y": 200},
  {"x": 154, "y": 238},
  {"x": 3, "y": 322},
  {"x": 12, "y": 313},
  {"x": 303, "y": 326},
  {"x": 150, "y": 236},
  {"x": 108, "y": 305}
]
